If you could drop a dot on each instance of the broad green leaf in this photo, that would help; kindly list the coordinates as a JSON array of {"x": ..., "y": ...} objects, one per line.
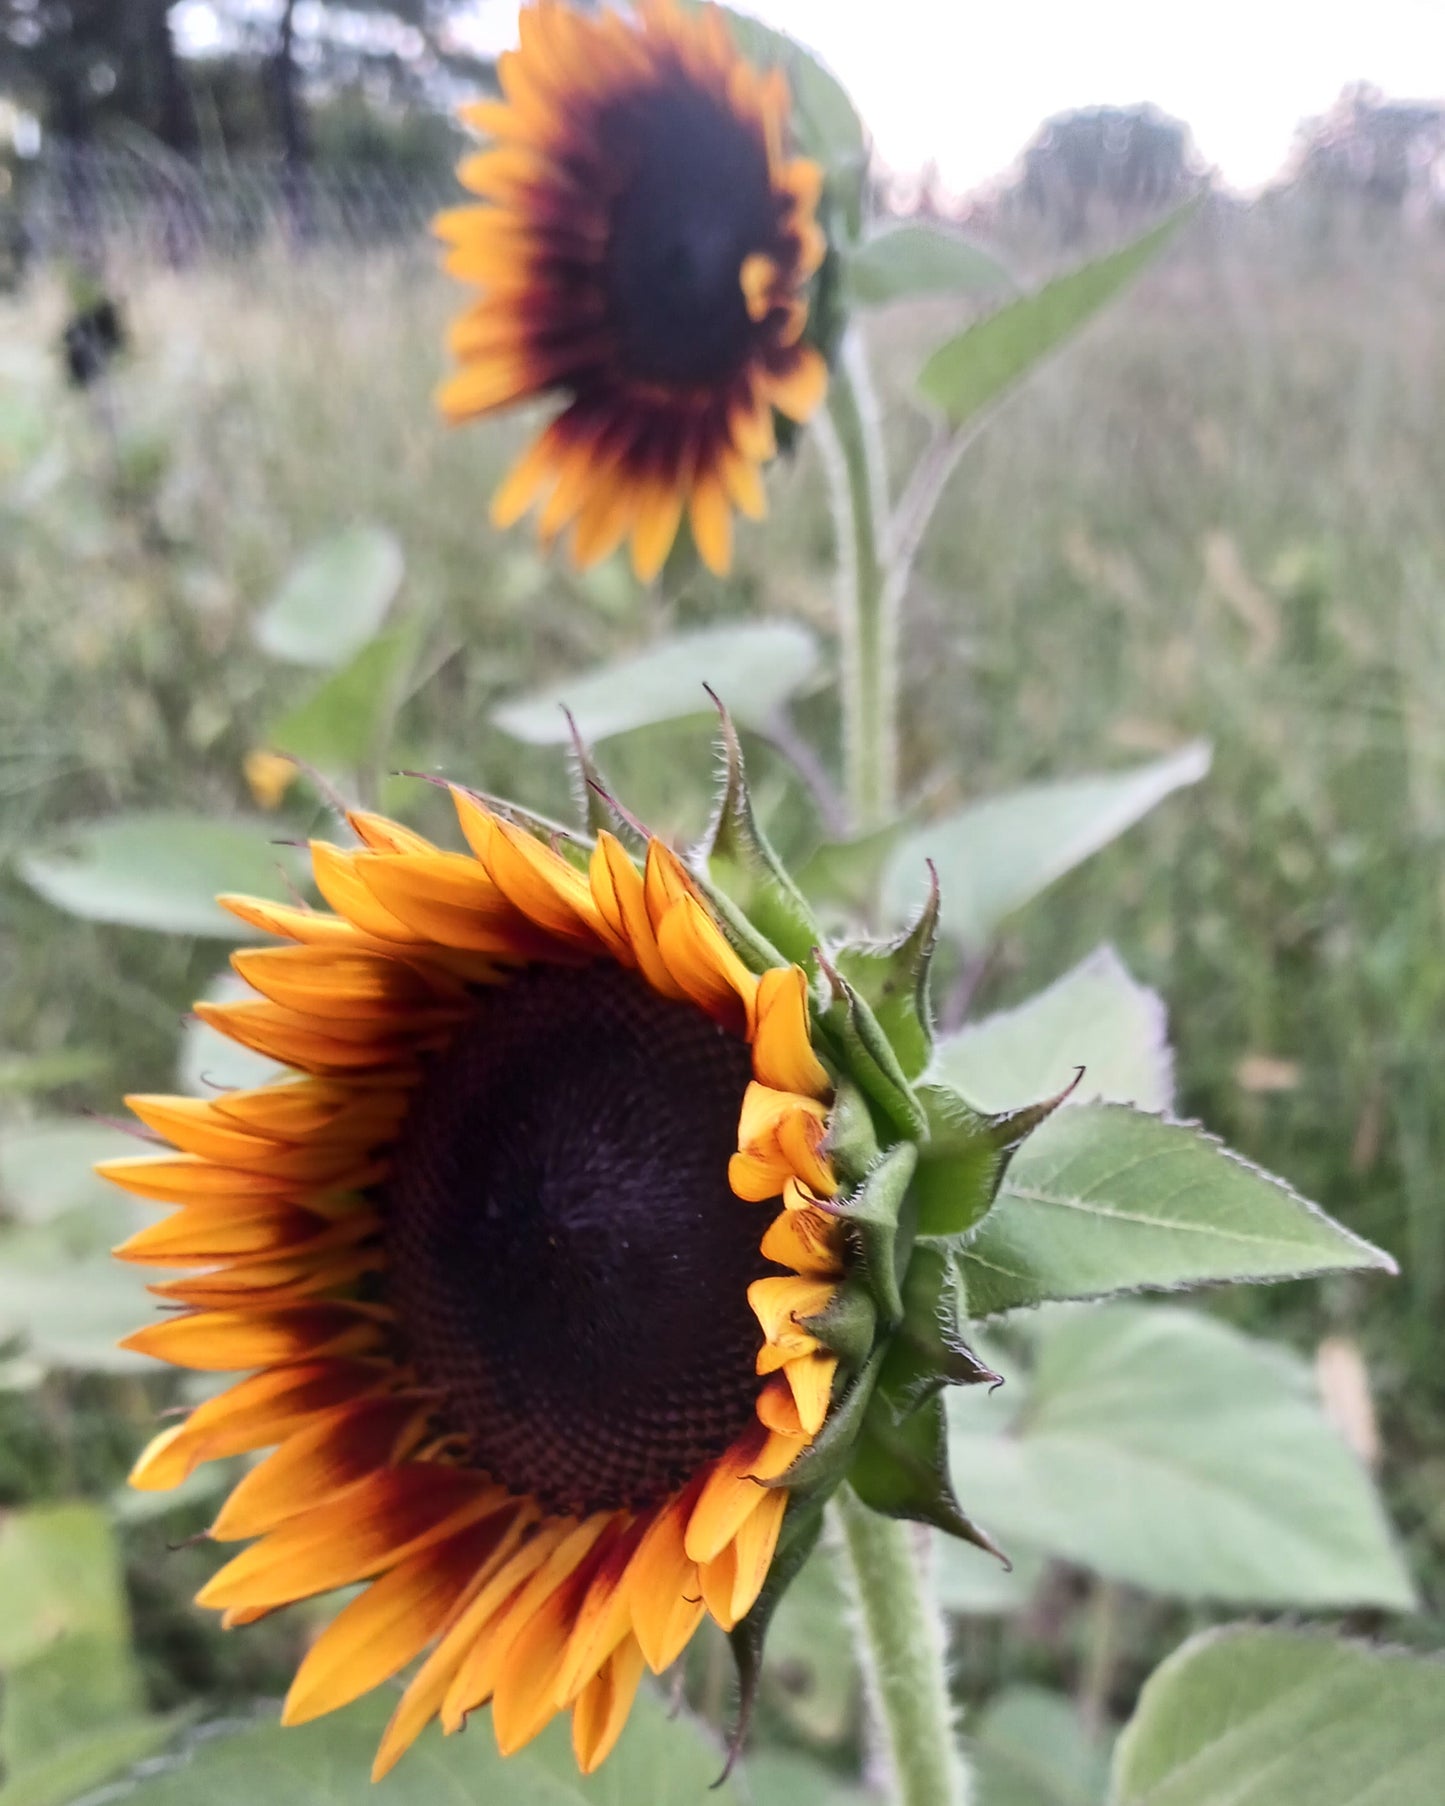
[
  {"x": 1249, "y": 1716},
  {"x": 1096, "y": 1016},
  {"x": 906, "y": 261},
  {"x": 92, "y": 1755},
  {"x": 70, "y": 1314},
  {"x": 777, "y": 1777},
  {"x": 208, "y": 1061},
  {"x": 79, "y": 1681},
  {"x": 333, "y": 599},
  {"x": 659, "y": 1761},
  {"x": 341, "y": 725},
  {"x": 1103, "y": 1199},
  {"x": 161, "y": 870},
  {"x": 995, "y": 855},
  {"x": 1029, "y": 1749},
  {"x": 47, "y": 1169},
  {"x": 59, "y": 1577},
  {"x": 1162, "y": 1448},
  {"x": 987, "y": 358},
  {"x": 753, "y": 669}
]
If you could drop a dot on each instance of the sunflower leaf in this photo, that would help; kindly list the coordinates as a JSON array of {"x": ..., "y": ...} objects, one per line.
[
  {"x": 918, "y": 258},
  {"x": 901, "y": 1469},
  {"x": 1104, "y": 1199},
  {"x": 334, "y": 599},
  {"x": 989, "y": 357},
  {"x": 996, "y": 855},
  {"x": 739, "y": 859},
  {"x": 754, "y": 667},
  {"x": 1250, "y": 1715},
  {"x": 344, "y": 722},
  {"x": 893, "y": 980},
  {"x": 160, "y": 870}
]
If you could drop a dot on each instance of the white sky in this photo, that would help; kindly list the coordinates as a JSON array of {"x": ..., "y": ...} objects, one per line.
[{"x": 965, "y": 82}]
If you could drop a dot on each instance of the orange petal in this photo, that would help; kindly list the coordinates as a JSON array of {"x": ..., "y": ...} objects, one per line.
[
  {"x": 808, "y": 1241},
  {"x": 778, "y": 1303},
  {"x": 753, "y": 1550},
  {"x": 783, "y": 1056},
  {"x": 702, "y": 962},
  {"x": 374, "y": 1525},
  {"x": 757, "y": 1179},
  {"x": 602, "y": 1617},
  {"x": 618, "y": 892},
  {"x": 338, "y": 983},
  {"x": 712, "y": 524},
  {"x": 654, "y": 531},
  {"x": 317, "y": 1462},
  {"x": 384, "y": 1628},
  {"x": 798, "y": 389},
  {"x": 230, "y": 1341},
  {"x": 811, "y": 1380},
  {"x": 602, "y": 1708},
  {"x": 663, "y": 1591},
  {"x": 186, "y": 1179},
  {"x": 733, "y": 1490}
]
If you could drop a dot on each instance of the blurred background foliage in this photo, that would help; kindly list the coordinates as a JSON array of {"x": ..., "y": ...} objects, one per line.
[{"x": 1217, "y": 518}]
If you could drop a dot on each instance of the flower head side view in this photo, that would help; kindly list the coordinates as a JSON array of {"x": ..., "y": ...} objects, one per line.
[
  {"x": 524, "y": 1266},
  {"x": 645, "y": 248}
]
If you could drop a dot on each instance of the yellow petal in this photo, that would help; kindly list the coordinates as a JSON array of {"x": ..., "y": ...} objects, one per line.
[{"x": 783, "y": 1056}]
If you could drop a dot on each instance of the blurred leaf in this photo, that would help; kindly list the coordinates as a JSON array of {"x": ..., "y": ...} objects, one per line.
[
  {"x": 914, "y": 259},
  {"x": 1165, "y": 1449},
  {"x": 788, "y": 1778},
  {"x": 977, "y": 365},
  {"x": 975, "y": 1584},
  {"x": 1103, "y": 1199},
  {"x": 342, "y": 723},
  {"x": 47, "y": 1168},
  {"x": 847, "y": 872},
  {"x": 333, "y": 599},
  {"x": 70, "y": 1314},
  {"x": 810, "y": 1671},
  {"x": 91, "y": 1756},
  {"x": 1248, "y": 1716},
  {"x": 1029, "y": 1749},
  {"x": 208, "y": 1061},
  {"x": 60, "y": 1577},
  {"x": 753, "y": 669},
  {"x": 1096, "y": 1016},
  {"x": 80, "y": 1681},
  {"x": 658, "y": 1762},
  {"x": 22, "y": 1075},
  {"x": 161, "y": 869},
  {"x": 824, "y": 117},
  {"x": 995, "y": 855}
]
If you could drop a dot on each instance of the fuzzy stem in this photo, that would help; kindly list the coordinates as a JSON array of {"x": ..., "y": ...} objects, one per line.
[
  {"x": 903, "y": 1652},
  {"x": 867, "y": 602}
]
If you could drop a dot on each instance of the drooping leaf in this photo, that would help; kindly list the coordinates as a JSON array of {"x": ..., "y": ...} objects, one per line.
[
  {"x": 995, "y": 855},
  {"x": 47, "y": 1167},
  {"x": 977, "y": 1585},
  {"x": 69, "y": 1314},
  {"x": 989, "y": 357},
  {"x": 752, "y": 668},
  {"x": 1029, "y": 1749},
  {"x": 1103, "y": 1199},
  {"x": 60, "y": 1576},
  {"x": 1096, "y": 1017},
  {"x": 660, "y": 1760},
  {"x": 342, "y": 724},
  {"x": 906, "y": 261},
  {"x": 1249, "y": 1716},
  {"x": 160, "y": 869},
  {"x": 333, "y": 599},
  {"x": 1162, "y": 1448}
]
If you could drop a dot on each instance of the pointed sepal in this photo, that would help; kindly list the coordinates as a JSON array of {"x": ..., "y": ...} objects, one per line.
[
  {"x": 846, "y": 1325},
  {"x": 963, "y": 1162},
  {"x": 802, "y": 1526},
  {"x": 878, "y": 1215},
  {"x": 823, "y": 1465},
  {"x": 867, "y": 1053},
  {"x": 738, "y": 861},
  {"x": 852, "y": 1139},
  {"x": 892, "y": 979},
  {"x": 927, "y": 1351},
  {"x": 901, "y": 1470},
  {"x": 592, "y": 796}
]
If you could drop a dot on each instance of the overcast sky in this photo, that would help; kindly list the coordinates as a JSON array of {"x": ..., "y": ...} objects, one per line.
[{"x": 964, "y": 83}]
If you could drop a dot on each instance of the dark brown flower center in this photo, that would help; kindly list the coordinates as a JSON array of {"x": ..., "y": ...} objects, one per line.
[
  {"x": 567, "y": 1261},
  {"x": 694, "y": 200}
]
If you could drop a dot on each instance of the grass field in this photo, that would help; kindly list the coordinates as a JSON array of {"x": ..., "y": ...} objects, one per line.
[{"x": 1219, "y": 514}]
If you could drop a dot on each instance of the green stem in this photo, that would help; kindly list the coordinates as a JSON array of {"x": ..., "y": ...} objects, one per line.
[
  {"x": 867, "y": 602},
  {"x": 904, "y": 1651}
]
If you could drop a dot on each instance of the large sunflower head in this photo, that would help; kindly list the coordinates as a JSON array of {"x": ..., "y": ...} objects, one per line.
[
  {"x": 524, "y": 1264},
  {"x": 645, "y": 250}
]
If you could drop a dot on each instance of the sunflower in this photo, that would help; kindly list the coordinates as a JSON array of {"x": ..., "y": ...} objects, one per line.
[
  {"x": 645, "y": 252},
  {"x": 522, "y": 1268}
]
